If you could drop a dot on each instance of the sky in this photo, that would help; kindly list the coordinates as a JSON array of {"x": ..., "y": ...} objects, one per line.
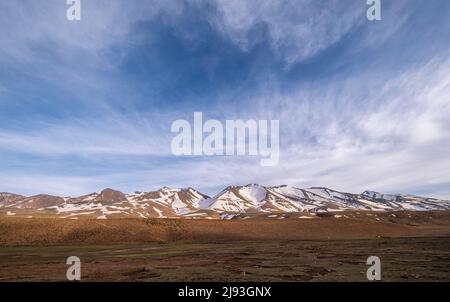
[{"x": 89, "y": 104}]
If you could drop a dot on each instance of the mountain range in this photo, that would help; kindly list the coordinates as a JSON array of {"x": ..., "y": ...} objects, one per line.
[{"x": 232, "y": 202}]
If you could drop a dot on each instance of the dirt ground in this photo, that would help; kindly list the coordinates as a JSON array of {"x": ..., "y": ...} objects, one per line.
[
  {"x": 412, "y": 246},
  {"x": 402, "y": 259},
  {"x": 354, "y": 225}
]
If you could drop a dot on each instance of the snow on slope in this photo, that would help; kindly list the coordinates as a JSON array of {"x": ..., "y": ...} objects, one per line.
[
  {"x": 238, "y": 199},
  {"x": 316, "y": 199},
  {"x": 253, "y": 193},
  {"x": 169, "y": 202},
  {"x": 231, "y": 202}
]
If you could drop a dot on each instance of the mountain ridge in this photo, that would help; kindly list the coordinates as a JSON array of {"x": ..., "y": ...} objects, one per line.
[{"x": 231, "y": 202}]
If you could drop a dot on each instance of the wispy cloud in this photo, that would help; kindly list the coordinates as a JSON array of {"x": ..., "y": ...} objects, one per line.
[
  {"x": 106, "y": 136},
  {"x": 361, "y": 106},
  {"x": 296, "y": 30}
]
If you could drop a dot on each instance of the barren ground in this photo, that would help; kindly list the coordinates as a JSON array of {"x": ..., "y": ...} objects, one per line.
[{"x": 412, "y": 247}]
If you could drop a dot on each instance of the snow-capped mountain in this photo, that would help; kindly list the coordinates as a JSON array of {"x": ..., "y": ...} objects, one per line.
[
  {"x": 257, "y": 198},
  {"x": 231, "y": 202},
  {"x": 237, "y": 199},
  {"x": 34, "y": 202},
  {"x": 10, "y": 199},
  {"x": 169, "y": 202}
]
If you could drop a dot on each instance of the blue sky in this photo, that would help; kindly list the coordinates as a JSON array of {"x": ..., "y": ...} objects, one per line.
[{"x": 88, "y": 105}]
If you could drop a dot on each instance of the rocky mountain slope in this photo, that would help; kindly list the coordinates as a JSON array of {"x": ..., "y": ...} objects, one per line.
[{"x": 234, "y": 201}]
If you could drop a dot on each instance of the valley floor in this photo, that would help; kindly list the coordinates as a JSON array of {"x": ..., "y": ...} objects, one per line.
[
  {"x": 327, "y": 226},
  {"x": 412, "y": 246},
  {"x": 402, "y": 259}
]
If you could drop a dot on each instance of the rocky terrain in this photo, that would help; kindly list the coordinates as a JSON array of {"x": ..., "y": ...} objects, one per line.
[{"x": 233, "y": 202}]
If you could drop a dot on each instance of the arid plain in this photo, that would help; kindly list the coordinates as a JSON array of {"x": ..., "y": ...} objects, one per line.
[{"x": 413, "y": 246}]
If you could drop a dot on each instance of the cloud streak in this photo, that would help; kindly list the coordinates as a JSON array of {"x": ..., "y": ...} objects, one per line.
[{"x": 89, "y": 105}]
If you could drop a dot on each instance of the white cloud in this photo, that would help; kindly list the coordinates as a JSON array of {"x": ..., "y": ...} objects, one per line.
[
  {"x": 351, "y": 134},
  {"x": 28, "y": 27},
  {"x": 113, "y": 135},
  {"x": 40, "y": 183},
  {"x": 297, "y": 29},
  {"x": 396, "y": 139}
]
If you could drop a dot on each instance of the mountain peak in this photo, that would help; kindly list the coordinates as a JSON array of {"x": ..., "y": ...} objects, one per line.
[
  {"x": 234, "y": 200},
  {"x": 110, "y": 195}
]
